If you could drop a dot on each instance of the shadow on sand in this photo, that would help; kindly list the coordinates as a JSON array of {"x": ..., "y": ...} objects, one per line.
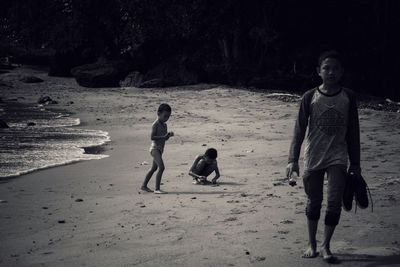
[
  {"x": 230, "y": 183},
  {"x": 202, "y": 192},
  {"x": 218, "y": 185},
  {"x": 370, "y": 260}
]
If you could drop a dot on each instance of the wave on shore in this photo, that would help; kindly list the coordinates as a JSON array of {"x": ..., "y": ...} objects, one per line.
[{"x": 40, "y": 138}]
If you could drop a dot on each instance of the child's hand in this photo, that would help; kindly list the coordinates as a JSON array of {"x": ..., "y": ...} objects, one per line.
[
  {"x": 291, "y": 168},
  {"x": 171, "y": 134},
  {"x": 355, "y": 170}
]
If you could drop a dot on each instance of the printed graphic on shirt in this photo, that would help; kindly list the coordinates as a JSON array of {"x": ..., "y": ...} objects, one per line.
[
  {"x": 326, "y": 139},
  {"x": 331, "y": 121}
]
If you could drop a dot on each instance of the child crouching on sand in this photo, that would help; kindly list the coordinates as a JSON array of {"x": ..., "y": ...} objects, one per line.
[
  {"x": 203, "y": 166},
  {"x": 159, "y": 134}
]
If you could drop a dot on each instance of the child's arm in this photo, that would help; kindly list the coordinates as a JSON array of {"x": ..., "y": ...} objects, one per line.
[
  {"x": 299, "y": 133},
  {"x": 353, "y": 135},
  {"x": 157, "y": 137},
  {"x": 199, "y": 177},
  {"x": 195, "y": 162},
  {"x": 217, "y": 175}
]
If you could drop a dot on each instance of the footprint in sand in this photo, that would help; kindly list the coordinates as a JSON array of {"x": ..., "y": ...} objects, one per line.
[
  {"x": 258, "y": 258},
  {"x": 236, "y": 211},
  {"x": 250, "y": 231},
  {"x": 230, "y": 219}
]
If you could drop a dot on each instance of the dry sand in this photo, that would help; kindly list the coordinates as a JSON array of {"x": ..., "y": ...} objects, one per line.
[{"x": 251, "y": 219}]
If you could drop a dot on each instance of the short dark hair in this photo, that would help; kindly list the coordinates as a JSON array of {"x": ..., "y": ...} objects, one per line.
[
  {"x": 330, "y": 54},
  {"x": 164, "y": 107},
  {"x": 211, "y": 153}
]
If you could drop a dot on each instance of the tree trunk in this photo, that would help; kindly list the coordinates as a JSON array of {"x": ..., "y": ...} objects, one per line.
[
  {"x": 226, "y": 52},
  {"x": 236, "y": 46}
]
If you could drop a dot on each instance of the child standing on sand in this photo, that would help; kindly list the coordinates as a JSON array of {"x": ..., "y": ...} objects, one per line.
[
  {"x": 203, "y": 166},
  {"x": 159, "y": 134},
  {"x": 330, "y": 113}
]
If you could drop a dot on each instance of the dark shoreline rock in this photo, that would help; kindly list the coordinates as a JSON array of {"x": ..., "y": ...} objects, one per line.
[
  {"x": 172, "y": 72},
  {"x": 134, "y": 79},
  {"x": 95, "y": 150},
  {"x": 31, "y": 79},
  {"x": 46, "y": 100},
  {"x": 154, "y": 83},
  {"x": 102, "y": 73}
]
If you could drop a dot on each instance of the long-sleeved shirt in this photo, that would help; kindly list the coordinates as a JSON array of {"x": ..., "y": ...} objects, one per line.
[{"x": 333, "y": 135}]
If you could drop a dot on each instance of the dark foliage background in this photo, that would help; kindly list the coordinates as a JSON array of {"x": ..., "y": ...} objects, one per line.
[{"x": 252, "y": 43}]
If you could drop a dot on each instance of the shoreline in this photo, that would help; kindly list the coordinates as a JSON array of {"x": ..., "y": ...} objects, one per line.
[
  {"x": 43, "y": 136},
  {"x": 93, "y": 213}
]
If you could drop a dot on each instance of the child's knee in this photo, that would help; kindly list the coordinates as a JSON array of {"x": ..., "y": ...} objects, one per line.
[
  {"x": 313, "y": 208},
  {"x": 313, "y": 212},
  {"x": 153, "y": 168},
  {"x": 161, "y": 167},
  {"x": 332, "y": 218}
]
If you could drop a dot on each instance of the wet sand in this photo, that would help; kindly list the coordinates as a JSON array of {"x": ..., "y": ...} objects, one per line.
[{"x": 92, "y": 213}]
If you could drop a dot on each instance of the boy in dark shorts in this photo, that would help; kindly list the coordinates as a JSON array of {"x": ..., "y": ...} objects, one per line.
[
  {"x": 203, "y": 166},
  {"x": 333, "y": 138}
]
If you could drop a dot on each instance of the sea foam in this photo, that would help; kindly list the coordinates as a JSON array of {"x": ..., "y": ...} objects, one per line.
[{"x": 52, "y": 139}]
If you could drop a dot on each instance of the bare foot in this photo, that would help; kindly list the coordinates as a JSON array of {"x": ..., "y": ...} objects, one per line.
[
  {"x": 327, "y": 255},
  {"x": 310, "y": 253},
  {"x": 146, "y": 189},
  {"x": 159, "y": 192}
]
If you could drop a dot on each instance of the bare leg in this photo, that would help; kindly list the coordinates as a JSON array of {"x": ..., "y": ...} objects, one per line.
[
  {"x": 199, "y": 169},
  {"x": 210, "y": 168},
  {"x": 311, "y": 252},
  {"x": 325, "y": 250},
  {"x": 204, "y": 169},
  {"x": 313, "y": 186},
  {"x": 149, "y": 174},
  {"x": 160, "y": 163}
]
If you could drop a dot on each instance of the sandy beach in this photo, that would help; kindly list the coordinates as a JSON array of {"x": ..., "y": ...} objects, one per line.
[{"x": 92, "y": 213}]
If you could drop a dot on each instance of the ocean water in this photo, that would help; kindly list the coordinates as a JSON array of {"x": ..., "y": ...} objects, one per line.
[{"x": 52, "y": 139}]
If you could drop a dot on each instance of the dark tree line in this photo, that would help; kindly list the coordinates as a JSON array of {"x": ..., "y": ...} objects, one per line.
[{"x": 266, "y": 43}]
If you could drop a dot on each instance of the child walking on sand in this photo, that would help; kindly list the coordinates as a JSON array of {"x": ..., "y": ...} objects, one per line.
[
  {"x": 159, "y": 134},
  {"x": 203, "y": 166},
  {"x": 330, "y": 113}
]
